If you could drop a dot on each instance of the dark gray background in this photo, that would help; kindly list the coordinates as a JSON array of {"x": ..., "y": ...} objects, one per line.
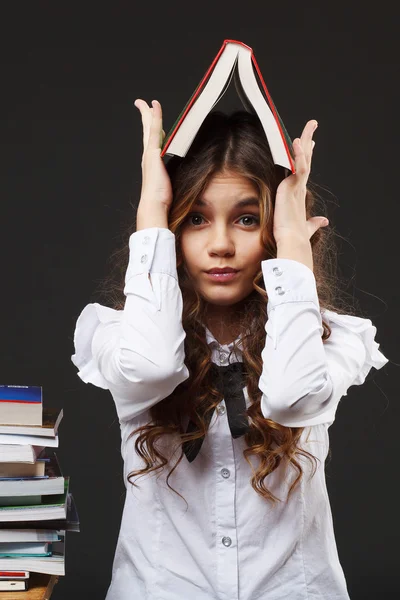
[{"x": 71, "y": 144}]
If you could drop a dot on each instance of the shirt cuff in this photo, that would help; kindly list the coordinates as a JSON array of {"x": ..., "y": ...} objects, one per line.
[
  {"x": 288, "y": 280},
  {"x": 151, "y": 250}
]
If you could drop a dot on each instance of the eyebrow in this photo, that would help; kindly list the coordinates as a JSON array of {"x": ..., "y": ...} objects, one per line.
[{"x": 241, "y": 204}]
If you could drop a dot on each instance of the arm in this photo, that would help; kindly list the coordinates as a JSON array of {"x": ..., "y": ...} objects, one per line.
[
  {"x": 303, "y": 378},
  {"x": 137, "y": 353}
]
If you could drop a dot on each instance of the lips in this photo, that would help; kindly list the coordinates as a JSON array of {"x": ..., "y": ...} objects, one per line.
[{"x": 224, "y": 270}]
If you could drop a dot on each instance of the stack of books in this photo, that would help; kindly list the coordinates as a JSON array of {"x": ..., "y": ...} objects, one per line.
[{"x": 36, "y": 505}]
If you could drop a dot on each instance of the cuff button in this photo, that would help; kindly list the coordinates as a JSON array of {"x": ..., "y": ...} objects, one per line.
[
  {"x": 280, "y": 290},
  {"x": 277, "y": 271},
  {"x": 143, "y": 258}
]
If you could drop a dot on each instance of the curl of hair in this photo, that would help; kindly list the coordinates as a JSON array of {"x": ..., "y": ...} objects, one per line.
[{"x": 234, "y": 143}]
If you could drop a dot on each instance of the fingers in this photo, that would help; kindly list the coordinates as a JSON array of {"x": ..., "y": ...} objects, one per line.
[
  {"x": 145, "y": 112},
  {"x": 306, "y": 137},
  {"x": 156, "y": 126},
  {"x": 153, "y": 133},
  {"x": 304, "y": 149}
]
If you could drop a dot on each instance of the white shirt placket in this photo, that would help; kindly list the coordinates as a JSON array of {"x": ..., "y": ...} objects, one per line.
[{"x": 225, "y": 493}]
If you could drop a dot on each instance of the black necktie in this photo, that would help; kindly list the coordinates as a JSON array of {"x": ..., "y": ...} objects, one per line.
[{"x": 230, "y": 381}]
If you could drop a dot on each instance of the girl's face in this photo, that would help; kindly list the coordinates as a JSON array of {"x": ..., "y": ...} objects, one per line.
[{"x": 220, "y": 233}]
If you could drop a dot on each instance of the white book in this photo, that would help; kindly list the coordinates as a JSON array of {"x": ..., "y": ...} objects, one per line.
[
  {"x": 28, "y": 535},
  {"x": 51, "y": 485},
  {"x": 23, "y": 440},
  {"x": 19, "y": 452},
  {"x": 234, "y": 60},
  {"x": 24, "y": 547},
  {"x": 39, "y": 512},
  {"x": 13, "y": 585},
  {"x": 51, "y": 420},
  {"x": 23, "y": 469},
  {"x": 12, "y": 413},
  {"x": 51, "y": 565}
]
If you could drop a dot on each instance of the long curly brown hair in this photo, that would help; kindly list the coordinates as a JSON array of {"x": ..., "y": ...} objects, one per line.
[{"x": 236, "y": 143}]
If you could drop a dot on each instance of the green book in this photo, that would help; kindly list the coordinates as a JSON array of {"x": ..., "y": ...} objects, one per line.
[{"x": 53, "y": 506}]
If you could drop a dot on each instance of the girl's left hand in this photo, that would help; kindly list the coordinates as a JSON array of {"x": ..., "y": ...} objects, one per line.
[{"x": 290, "y": 222}]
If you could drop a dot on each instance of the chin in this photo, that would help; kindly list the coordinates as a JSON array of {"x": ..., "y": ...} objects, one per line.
[{"x": 223, "y": 297}]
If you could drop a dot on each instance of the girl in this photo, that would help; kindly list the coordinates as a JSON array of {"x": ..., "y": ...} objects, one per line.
[{"x": 225, "y": 385}]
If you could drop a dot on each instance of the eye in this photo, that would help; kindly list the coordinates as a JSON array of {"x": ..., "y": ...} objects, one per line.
[
  {"x": 255, "y": 219},
  {"x": 190, "y": 216}
]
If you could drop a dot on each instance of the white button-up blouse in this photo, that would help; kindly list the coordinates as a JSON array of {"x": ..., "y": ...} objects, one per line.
[{"x": 227, "y": 543}]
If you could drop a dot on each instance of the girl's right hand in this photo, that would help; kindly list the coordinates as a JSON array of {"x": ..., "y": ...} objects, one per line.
[{"x": 156, "y": 184}]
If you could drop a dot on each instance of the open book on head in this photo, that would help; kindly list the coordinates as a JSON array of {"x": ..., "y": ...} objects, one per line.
[{"x": 234, "y": 60}]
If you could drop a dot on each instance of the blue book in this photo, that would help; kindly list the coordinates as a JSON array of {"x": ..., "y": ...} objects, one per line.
[
  {"x": 21, "y": 405},
  {"x": 21, "y": 393}
]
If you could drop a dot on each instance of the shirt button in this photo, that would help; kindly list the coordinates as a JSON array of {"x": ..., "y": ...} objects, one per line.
[
  {"x": 280, "y": 290},
  {"x": 226, "y": 541},
  {"x": 144, "y": 258},
  {"x": 277, "y": 271},
  {"x": 146, "y": 239},
  {"x": 223, "y": 357},
  {"x": 221, "y": 409},
  {"x": 225, "y": 473}
]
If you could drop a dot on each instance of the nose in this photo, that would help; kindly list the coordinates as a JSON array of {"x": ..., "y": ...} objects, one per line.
[{"x": 221, "y": 242}]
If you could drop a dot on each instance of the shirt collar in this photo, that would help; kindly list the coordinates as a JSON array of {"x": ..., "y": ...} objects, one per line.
[{"x": 213, "y": 342}]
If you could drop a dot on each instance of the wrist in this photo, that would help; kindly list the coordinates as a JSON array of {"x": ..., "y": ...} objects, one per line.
[
  {"x": 151, "y": 215},
  {"x": 299, "y": 250}
]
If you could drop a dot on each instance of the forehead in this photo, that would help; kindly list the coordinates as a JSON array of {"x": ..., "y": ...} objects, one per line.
[{"x": 230, "y": 187}]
